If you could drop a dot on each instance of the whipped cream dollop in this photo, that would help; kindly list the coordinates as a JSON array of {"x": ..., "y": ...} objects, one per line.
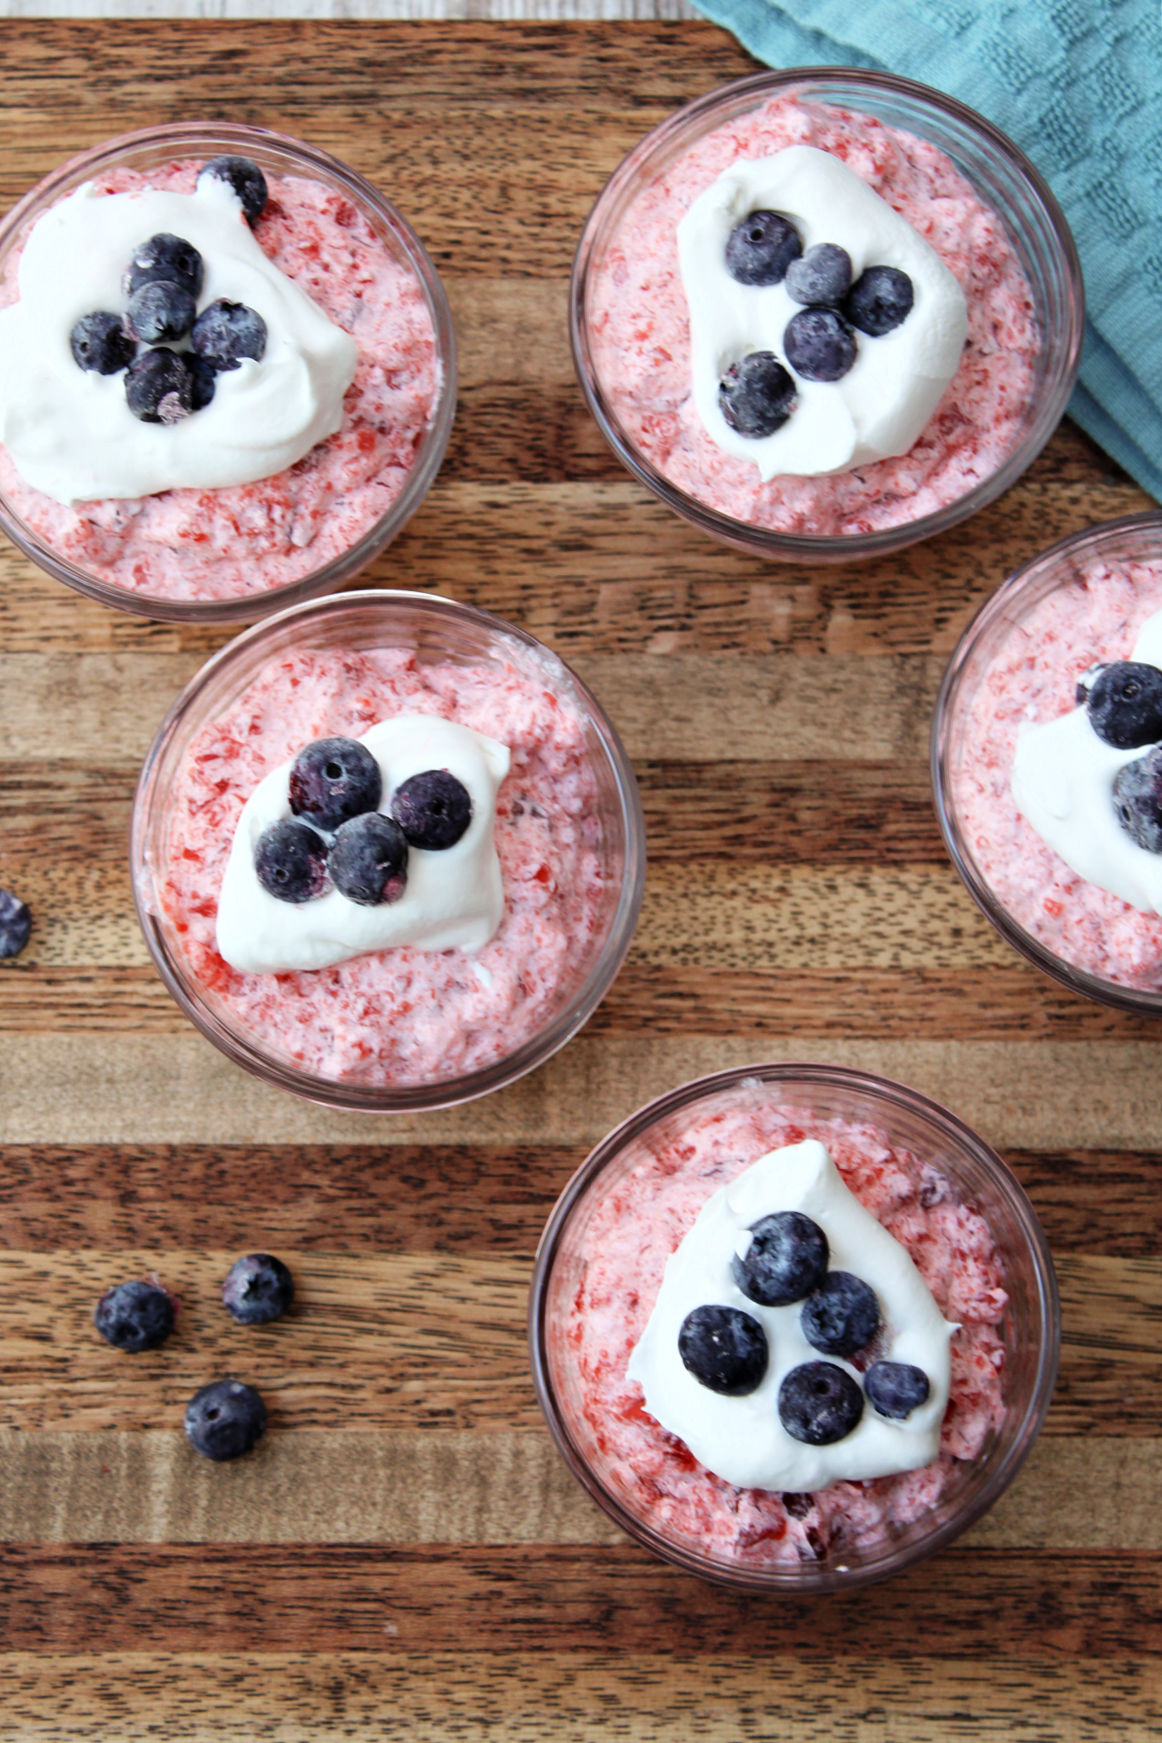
[
  {"x": 69, "y": 430},
  {"x": 454, "y": 898},
  {"x": 884, "y": 401},
  {"x": 742, "y": 1439},
  {"x": 1063, "y": 784}
]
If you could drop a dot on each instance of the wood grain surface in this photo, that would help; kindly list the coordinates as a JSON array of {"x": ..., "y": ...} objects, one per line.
[{"x": 406, "y": 1556}]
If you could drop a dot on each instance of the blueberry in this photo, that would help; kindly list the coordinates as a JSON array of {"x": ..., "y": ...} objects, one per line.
[
  {"x": 368, "y": 860},
  {"x": 724, "y": 1348},
  {"x": 290, "y": 861},
  {"x": 225, "y": 1419},
  {"x": 433, "y": 809},
  {"x": 895, "y": 1389},
  {"x": 244, "y": 176},
  {"x": 203, "y": 378},
  {"x": 257, "y": 1289},
  {"x": 1086, "y": 682},
  {"x": 756, "y": 396},
  {"x": 165, "y": 257},
  {"x": 134, "y": 1316},
  {"x": 786, "y": 1259},
  {"x": 225, "y": 332},
  {"x": 819, "y": 1403},
  {"x": 880, "y": 299},
  {"x": 333, "y": 779},
  {"x": 820, "y": 345},
  {"x": 15, "y": 924},
  {"x": 760, "y": 249},
  {"x": 159, "y": 388},
  {"x": 1138, "y": 799},
  {"x": 161, "y": 310},
  {"x": 842, "y": 1316},
  {"x": 822, "y": 276},
  {"x": 1125, "y": 704},
  {"x": 100, "y": 342}
]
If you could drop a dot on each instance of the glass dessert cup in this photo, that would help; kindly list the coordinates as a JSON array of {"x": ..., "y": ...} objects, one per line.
[
  {"x": 1001, "y": 625},
  {"x": 441, "y": 633},
  {"x": 278, "y": 156},
  {"x": 1001, "y": 177},
  {"x": 976, "y": 1175}
]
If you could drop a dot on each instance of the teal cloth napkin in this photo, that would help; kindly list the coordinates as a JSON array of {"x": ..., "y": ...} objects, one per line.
[{"x": 1078, "y": 85}]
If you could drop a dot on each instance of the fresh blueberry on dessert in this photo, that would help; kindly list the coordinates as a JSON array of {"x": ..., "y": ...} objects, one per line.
[
  {"x": 100, "y": 343},
  {"x": 1124, "y": 704},
  {"x": 895, "y": 1389},
  {"x": 820, "y": 345},
  {"x": 161, "y": 310},
  {"x": 258, "y": 1289},
  {"x": 203, "y": 377},
  {"x": 15, "y": 924},
  {"x": 166, "y": 257},
  {"x": 880, "y": 299},
  {"x": 334, "y": 779},
  {"x": 821, "y": 276},
  {"x": 842, "y": 1316},
  {"x": 756, "y": 395},
  {"x": 1138, "y": 799},
  {"x": 135, "y": 1316},
  {"x": 433, "y": 809},
  {"x": 158, "y": 387},
  {"x": 1086, "y": 682},
  {"x": 761, "y": 248},
  {"x": 290, "y": 861},
  {"x": 786, "y": 1259},
  {"x": 244, "y": 176},
  {"x": 225, "y": 332},
  {"x": 724, "y": 1348},
  {"x": 368, "y": 860},
  {"x": 225, "y": 1419},
  {"x": 819, "y": 1403}
]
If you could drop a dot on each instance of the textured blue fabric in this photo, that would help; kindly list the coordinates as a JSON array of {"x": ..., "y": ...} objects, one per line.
[{"x": 1077, "y": 84}]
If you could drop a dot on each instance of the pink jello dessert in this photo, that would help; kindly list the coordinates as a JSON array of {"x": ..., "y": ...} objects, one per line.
[
  {"x": 215, "y": 552},
  {"x": 935, "y": 1188}
]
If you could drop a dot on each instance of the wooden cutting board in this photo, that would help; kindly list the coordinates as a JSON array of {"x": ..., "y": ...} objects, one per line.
[{"x": 406, "y": 1555}]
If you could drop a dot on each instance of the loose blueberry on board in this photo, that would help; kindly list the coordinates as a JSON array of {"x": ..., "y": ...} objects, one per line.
[
  {"x": 244, "y": 176},
  {"x": 1124, "y": 704},
  {"x": 756, "y": 396},
  {"x": 15, "y": 924},
  {"x": 258, "y": 1289},
  {"x": 761, "y": 248},
  {"x": 880, "y": 300},
  {"x": 433, "y": 809},
  {"x": 1138, "y": 799},
  {"x": 158, "y": 387},
  {"x": 786, "y": 1259},
  {"x": 225, "y": 1419},
  {"x": 819, "y": 1403},
  {"x": 290, "y": 861},
  {"x": 820, "y": 346},
  {"x": 100, "y": 343},
  {"x": 225, "y": 332},
  {"x": 161, "y": 310},
  {"x": 203, "y": 379},
  {"x": 165, "y": 256},
  {"x": 821, "y": 276},
  {"x": 841, "y": 1316},
  {"x": 333, "y": 779},
  {"x": 895, "y": 1389},
  {"x": 134, "y": 1316},
  {"x": 368, "y": 860},
  {"x": 724, "y": 1348}
]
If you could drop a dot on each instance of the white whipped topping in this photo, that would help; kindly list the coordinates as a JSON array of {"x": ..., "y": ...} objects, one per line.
[
  {"x": 742, "y": 1439},
  {"x": 883, "y": 402},
  {"x": 69, "y": 430},
  {"x": 1063, "y": 784},
  {"x": 454, "y": 897}
]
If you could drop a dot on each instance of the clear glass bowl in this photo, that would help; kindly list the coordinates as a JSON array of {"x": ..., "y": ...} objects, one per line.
[
  {"x": 998, "y": 629},
  {"x": 440, "y": 631},
  {"x": 976, "y": 1176},
  {"x": 999, "y": 173},
  {"x": 278, "y": 157}
]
